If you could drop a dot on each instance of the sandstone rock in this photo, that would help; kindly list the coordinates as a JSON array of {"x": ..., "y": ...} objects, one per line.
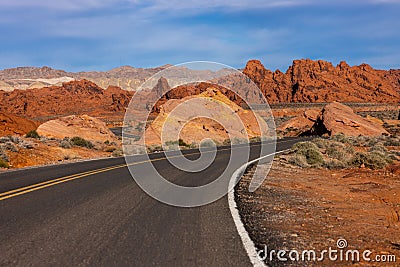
[
  {"x": 11, "y": 124},
  {"x": 198, "y": 129},
  {"x": 75, "y": 97},
  {"x": 319, "y": 81},
  {"x": 299, "y": 124},
  {"x": 83, "y": 126},
  {"x": 337, "y": 118}
]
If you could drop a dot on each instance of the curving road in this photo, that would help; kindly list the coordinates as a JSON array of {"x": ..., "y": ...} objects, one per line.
[{"x": 93, "y": 214}]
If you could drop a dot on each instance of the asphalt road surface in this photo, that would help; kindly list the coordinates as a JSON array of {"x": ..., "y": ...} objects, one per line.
[{"x": 93, "y": 214}]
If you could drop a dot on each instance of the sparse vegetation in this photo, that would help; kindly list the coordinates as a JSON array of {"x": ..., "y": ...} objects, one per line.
[
  {"x": 65, "y": 143},
  {"x": 4, "y": 164},
  {"x": 341, "y": 151},
  {"x": 79, "y": 141},
  {"x": 33, "y": 134},
  {"x": 310, "y": 152},
  {"x": 117, "y": 153}
]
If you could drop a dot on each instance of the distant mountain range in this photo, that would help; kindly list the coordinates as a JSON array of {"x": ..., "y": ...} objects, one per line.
[{"x": 125, "y": 77}]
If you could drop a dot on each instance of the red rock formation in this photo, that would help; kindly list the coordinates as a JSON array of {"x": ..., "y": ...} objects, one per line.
[
  {"x": 320, "y": 81},
  {"x": 337, "y": 118},
  {"x": 76, "y": 97},
  {"x": 11, "y": 125}
]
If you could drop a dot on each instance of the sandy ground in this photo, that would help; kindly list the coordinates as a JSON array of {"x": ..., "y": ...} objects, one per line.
[{"x": 307, "y": 209}]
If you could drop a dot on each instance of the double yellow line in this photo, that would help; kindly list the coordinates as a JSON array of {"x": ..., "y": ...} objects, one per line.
[
  {"x": 38, "y": 186},
  {"x": 34, "y": 187}
]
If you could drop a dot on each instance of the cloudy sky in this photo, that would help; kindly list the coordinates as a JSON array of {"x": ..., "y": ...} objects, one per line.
[{"x": 101, "y": 34}]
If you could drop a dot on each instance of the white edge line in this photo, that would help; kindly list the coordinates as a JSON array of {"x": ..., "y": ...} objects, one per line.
[{"x": 248, "y": 244}]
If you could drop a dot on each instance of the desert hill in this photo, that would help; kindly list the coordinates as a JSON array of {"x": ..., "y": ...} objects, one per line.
[{"x": 75, "y": 97}]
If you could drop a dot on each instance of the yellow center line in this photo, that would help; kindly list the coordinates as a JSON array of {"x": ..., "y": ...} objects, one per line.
[{"x": 41, "y": 185}]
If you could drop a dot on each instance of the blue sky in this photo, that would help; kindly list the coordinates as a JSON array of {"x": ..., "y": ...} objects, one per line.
[{"x": 101, "y": 34}]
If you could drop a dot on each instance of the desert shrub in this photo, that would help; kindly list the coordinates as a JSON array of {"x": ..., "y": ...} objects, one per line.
[
  {"x": 182, "y": 143},
  {"x": 33, "y": 134},
  {"x": 4, "y": 164},
  {"x": 79, "y": 141},
  {"x": 378, "y": 148},
  {"x": 357, "y": 140},
  {"x": 321, "y": 142},
  {"x": 226, "y": 142},
  {"x": 238, "y": 141},
  {"x": 313, "y": 157},
  {"x": 335, "y": 152},
  {"x": 369, "y": 160},
  {"x": 340, "y": 138},
  {"x": 154, "y": 148},
  {"x": 372, "y": 141},
  {"x": 255, "y": 139},
  {"x": 392, "y": 142},
  {"x": 107, "y": 142},
  {"x": 335, "y": 164},
  {"x": 303, "y": 146},
  {"x": 117, "y": 153},
  {"x": 3, "y": 155},
  {"x": 299, "y": 160},
  {"x": 65, "y": 143},
  {"x": 4, "y": 139},
  {"x": 26, "y": 144},
  {"x": 110, "y": 149},
  {"x": 310, "y": 151},
  {"x": 10, "y": 146},
  {"x": 193, "y": 145}
]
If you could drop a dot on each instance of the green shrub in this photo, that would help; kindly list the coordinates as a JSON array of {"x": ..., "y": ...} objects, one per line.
[
  {"x": 340, "y": 138},
  {"x": 392, "y": 142},
  {"x": 4, "y": 164},
  {"x": 33, "y": 134},
  {"x": 182, "y": 143},
  {"x": 321, "y": 142},
  {"x": 110, "y": 149},
  {"x": 310, "y": 151},
  {"x": 65, "y": 143},
  {"x": 299, "y": 160},
  {"x": 117, "y": 153},
  {"x": 79, "y": 141},
  {"x": 335, "y": 164},
  {"x": 378, "y": 148},
  {"x": 226, "y": 142},
  {"x": 303, "y": 146},
  {"x": 154, "y": 148},
  {"x": 370, "y": 160},
  {"x": 313, "y": 157}
]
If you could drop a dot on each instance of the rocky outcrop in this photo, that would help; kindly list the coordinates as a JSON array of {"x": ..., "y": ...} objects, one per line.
[
  {"x": 176, "y": 111},
  {"x": 337, "y": 118},
  {"x": 75, "y": 97},
  {"x": 14, "y": 125},
  {"x": 319, "y": 81},
  {"x": 299, "y": 124},
  {"x": 83, "y": 126}
]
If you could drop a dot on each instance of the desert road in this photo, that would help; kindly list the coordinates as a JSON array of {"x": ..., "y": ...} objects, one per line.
[{"x": 92, "y": 213}]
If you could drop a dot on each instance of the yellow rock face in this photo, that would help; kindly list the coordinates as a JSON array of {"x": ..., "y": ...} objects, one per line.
[{"x": 207, "y": 115}]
